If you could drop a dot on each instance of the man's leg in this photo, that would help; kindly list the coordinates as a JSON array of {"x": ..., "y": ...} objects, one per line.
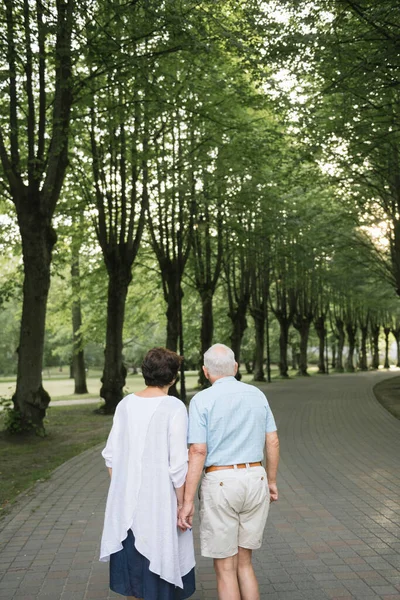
[
  {"x": 247, "y": 579},
  {"x": 227, "y": 580}
]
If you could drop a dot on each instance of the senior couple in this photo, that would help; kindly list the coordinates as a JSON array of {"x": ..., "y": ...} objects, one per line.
[{"x": 147, "y": 534}]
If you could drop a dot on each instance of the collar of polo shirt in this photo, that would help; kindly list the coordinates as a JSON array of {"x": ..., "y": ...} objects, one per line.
[{"x": 227, "y": 378}]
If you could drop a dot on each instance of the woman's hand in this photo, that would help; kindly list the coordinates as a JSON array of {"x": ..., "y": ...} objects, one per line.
[{"x": 185, "y": 516}]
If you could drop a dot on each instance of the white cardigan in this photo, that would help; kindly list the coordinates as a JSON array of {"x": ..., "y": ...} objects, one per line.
[{"x": 147, "y": 450}]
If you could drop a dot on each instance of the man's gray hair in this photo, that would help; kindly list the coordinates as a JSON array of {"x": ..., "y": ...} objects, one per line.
[{"x": 219, "y": 360}]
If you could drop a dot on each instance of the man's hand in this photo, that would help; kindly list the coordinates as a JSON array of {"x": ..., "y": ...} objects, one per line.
[
  {"x": 272, "y": 461},
  {"x": 273, "y": 492},
  {"x": 185, "y": 516}
]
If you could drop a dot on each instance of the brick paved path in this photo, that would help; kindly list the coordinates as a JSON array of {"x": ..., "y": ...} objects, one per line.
[{"x": 333, "y": 534}]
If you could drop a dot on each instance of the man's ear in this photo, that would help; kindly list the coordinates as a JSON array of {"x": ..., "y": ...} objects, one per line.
[
  {"x": 236, "y": 368},
  {"x": 205, "y": 372}
]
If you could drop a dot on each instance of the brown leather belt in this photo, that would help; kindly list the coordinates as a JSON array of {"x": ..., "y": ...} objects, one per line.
[{"x": 241, "y": 466}]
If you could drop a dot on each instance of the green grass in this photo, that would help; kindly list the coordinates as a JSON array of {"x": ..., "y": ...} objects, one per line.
[
  {"x": 25, "y": 460},
  {"x": 60, "y": 387},
  {"x": 387, "y": 393}
]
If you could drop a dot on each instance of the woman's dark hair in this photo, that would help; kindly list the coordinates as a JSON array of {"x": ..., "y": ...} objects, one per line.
[{"x": 160, "y": 366}]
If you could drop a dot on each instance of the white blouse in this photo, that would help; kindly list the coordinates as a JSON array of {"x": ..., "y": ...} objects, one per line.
[{"x": 147, "y": 450}]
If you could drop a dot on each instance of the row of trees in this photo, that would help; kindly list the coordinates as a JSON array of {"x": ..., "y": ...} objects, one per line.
[{"x": 155, "y": 132}]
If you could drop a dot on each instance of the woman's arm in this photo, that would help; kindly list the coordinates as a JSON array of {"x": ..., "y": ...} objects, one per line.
[{"x": 179, "y": 495}]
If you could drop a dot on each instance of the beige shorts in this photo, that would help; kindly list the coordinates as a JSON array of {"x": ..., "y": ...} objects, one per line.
[{"x": 234, "y": 506}]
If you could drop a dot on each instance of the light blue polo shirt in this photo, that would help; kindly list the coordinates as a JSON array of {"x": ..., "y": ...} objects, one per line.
[{"x": 232, "y": 418}]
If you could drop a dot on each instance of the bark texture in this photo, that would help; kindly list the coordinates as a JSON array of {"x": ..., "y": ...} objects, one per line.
[
  {"x": 283, "y": 345},
  {"x": 114, "y": 373},
  {"x": 386, "y": 331},
  {"x": 259, "y": 325},
  {"x": 320, "y": 328},
  {"x": 78, "y": 357},
  {"x": 375, "y": 331},
  {"x": 363, "y": 348},
  {"x": 351, "y": 330},
  {"x": 303, "y": 327},
  {"x": 341, "y": 336},
  {"x": 30, "y": 399}
]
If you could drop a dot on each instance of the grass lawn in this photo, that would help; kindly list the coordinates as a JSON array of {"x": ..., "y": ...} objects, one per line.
[
  {"x": 387, "y": 393},
  {"x": 70, "y": 430},
  {"x": 60, "y": 387}
]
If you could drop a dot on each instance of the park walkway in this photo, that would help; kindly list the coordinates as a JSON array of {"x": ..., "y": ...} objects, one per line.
[{"x": 333, "y": 534}]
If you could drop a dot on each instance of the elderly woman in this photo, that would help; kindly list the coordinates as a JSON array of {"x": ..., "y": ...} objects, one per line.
[{"x": 146, "y": 454}]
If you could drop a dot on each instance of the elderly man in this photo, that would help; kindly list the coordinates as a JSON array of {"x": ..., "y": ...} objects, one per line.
[{"x": 229, "y": 423}]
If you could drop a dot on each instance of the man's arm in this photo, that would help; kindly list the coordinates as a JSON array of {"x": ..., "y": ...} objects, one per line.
[
  {"x": 197, "y": 456},
  {"x": 272, "y": 461}
]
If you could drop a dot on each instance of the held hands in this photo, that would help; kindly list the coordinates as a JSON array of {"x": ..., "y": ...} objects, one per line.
[
  {"x": 185, "y": 516},
  {"x": 273, "y": 492},
  {"x": 180, "y": 506}
]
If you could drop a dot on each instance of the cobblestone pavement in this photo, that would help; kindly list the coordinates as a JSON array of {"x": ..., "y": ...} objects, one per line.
[{"x": 334, "y": 534}]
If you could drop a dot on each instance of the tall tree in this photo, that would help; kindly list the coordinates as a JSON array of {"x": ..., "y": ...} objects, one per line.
[
  {"x": 207, "y": 255},
  {"x": 35, "y": 109},
  {"x": 170, "y": 218}
]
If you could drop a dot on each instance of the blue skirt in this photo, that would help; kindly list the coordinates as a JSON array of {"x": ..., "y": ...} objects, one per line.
[{"x": 130, "y": 576}]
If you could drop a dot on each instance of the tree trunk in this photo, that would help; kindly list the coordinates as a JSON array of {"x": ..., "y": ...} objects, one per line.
[
  {"x": 295, "y": 356},
  {"x": 333, "y": 350},
  {"x": 182, "y": 380},
  {"x": 363, "y": 349},
  {"x": 174, "y": 323},
  {"x": 172, "y": 313},
  {"x": 321, "y": 332},
  {"x": 340, "y": 345},
  {"x": 386, "y": 331},
  {"x": 206, "y": 332},
  {"x": 283, "y": 344},
  {"x": 268, "y": 343},
  {"x": 30, "y": 399},
  {"x": 396, "y": 333},
  {"x": 304, "y": 330},
  {"x": 375, "y": 331},
  {"x": 351, "y": 335},
  {"x": 239, "y": 326},
  {"x": 78, "y": 359},
  {"x": 114, "y": 373},
  {"x": 259, "y": 324}
]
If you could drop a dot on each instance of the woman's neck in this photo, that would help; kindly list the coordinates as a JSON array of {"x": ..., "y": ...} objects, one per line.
[{"x": 152, "y": 391}]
